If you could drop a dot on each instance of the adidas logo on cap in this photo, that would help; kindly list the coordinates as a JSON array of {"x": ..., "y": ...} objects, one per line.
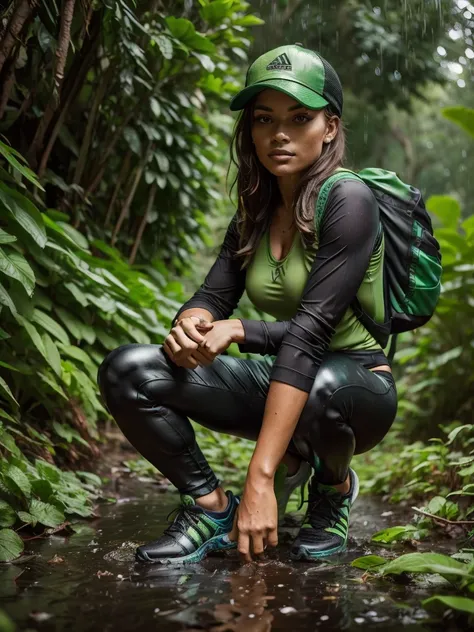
[{"x": 281, "y": 62}]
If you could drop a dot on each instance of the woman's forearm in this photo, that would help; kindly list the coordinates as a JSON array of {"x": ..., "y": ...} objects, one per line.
[{"x": 283, "y": 408}]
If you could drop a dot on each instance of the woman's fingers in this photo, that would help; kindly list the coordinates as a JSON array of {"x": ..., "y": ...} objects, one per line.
[
  {"x": 171, "y": 344},
  {"x": 272, "y": 537},
  {"x": 184, "y": 341},
  {"x": 188, "y": 326},
  {"x": 243, "y": 547},
  {"x": 257, "y": 544}
]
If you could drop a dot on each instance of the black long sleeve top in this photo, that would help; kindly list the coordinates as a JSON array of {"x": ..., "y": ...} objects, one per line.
[{"x": 347, "y": 235}]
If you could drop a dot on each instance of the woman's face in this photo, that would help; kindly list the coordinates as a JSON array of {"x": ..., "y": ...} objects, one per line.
[{"x": 280, "y": 123}]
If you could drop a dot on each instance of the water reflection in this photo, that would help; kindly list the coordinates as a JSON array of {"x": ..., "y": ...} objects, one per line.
[{"x": 98, "y": 586}]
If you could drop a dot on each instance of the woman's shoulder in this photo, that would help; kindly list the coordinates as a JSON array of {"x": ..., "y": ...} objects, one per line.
[{"x": 352, "y": 192}]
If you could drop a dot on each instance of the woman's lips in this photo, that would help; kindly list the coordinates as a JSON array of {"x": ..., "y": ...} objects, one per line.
[{"x": 281, "y": 157}]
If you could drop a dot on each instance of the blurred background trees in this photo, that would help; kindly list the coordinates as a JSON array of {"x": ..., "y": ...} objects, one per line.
[{"x": 114, "y": 151}]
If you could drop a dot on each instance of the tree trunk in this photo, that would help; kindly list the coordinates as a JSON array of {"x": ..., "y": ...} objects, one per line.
[
  {"x": 131, "y": 195},
  {"x": 63, "y": 45},
  {"x": 73, "y": 89},
  {"x": 7, "y": 81},
  {"x": 121, "y": 178},
  {"x": 83, "y": 153},
  {"x": 141, "y": 228},
  {"x": 20, "y": 15},
  {"x": 407, "y": 146},
  {"x": 61, "y": 56}
]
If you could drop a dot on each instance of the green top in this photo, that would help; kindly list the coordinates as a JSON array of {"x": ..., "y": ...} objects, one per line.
[{"x": 276, "y": 287}]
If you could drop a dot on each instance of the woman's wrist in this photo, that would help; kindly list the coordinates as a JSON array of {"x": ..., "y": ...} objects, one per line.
[
  {"x": 238, "y": 331},
  {"x": 264, "y": 472}
]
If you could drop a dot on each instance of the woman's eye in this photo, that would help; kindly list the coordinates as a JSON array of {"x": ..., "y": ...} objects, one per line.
[
  {"x": 259, "y": 119},
  {"x": 302, "y": 118}
]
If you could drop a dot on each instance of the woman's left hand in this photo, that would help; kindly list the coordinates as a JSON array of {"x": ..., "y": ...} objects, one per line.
[
  {"x": 257, "y": 518},
  {"x": 220, "y": 337}
]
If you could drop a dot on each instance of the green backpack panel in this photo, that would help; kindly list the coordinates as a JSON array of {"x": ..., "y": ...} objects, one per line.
[{"x": 412, "y": 264}]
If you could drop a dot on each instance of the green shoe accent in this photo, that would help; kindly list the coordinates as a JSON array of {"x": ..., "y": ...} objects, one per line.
[
  {"x": 192, "y": 535},
  {"x": 326, "y": 525}
]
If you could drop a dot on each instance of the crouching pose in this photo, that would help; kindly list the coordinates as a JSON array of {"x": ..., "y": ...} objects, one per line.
[{"x": 323, "y": 389}]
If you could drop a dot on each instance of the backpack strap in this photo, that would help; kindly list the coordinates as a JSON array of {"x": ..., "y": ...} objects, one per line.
[
  {"x": 325, "y": 190},
  {"x": 379, "y": 331}
]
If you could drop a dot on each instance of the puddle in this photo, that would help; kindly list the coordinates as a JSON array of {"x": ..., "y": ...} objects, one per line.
[{"x": 90, "y": 581}]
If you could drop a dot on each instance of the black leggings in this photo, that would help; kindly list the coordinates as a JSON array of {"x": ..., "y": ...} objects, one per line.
[{"x": 349, "y": 410}]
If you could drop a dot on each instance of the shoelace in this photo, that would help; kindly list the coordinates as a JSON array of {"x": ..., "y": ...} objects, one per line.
[
  {"x": 320, "y": 520},
  {"x": 183, "y": 516}
]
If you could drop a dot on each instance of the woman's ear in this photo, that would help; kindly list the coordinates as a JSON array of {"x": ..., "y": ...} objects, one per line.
[{"x": 332, "y": 125}]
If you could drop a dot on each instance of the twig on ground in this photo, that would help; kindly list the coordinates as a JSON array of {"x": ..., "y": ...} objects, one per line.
[{"x": 445, "y": 520}]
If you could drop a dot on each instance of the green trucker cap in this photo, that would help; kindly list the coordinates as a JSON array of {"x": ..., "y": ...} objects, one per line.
[{"x": 297, "y": 71}]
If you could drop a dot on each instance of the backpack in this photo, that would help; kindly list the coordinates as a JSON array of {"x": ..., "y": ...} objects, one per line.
[{"x": 412, "y": 263}]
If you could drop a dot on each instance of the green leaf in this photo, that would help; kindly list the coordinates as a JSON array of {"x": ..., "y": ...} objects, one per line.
[
  {"x": 166, "y": 47},
  {"x": 76, "y": 237},
  {"x": 52, "y": 355},
  {"x": 249, "y": 20},
  {"x": 392, "y": 534},
  {"x": 33, "y": 334},
  {"x": 27, "y": 518},
  {"x": 42, "y": 488},
  {"x": 133, "y": 140},
  {"x": 11, "y": 545},
  {"x": 6, "y": 300},
  {"x": 25, "y": 214},
  {"x": 5, "y": 389},
  {"x": 454, "y": 433},
  {"x": 9, "y": 154},
  {"x": 5, "y": 238},
  {"x": 52, "y": 326},
  {"x": 206, "y": 61},
  {"x": 17, "y": 481},
  {"x": 464, "y": 604},
  {"x": 48, "y": 471},
  {"x": 7, "y": 514},
  {"x": 216, "y": 11},
  {"x": 368, "y": 562},
  {"x": 462, "y": 116},
  {"x": 46, "y": 514},
  {"x": 14, "y": 265},
  {"x": 181, "y": 28},
  {"x": 426, "y": 563},
  {"x": 90, "y": 478},
  {"x": 446, "y": 208},
  {"x": 8, "y": 442}
]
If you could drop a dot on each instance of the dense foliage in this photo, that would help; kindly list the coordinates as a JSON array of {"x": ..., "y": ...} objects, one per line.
[{"x": 68, "y": 293}]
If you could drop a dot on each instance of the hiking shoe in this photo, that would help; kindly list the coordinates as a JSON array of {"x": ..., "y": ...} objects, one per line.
[
  {"x": 192, "y": 535},
  {"x": 285, "y": 485},
  {"x": 326, "y": 524}
]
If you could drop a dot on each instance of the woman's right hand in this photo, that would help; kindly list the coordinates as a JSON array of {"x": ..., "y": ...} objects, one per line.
[{"x": 182, "y": 343}]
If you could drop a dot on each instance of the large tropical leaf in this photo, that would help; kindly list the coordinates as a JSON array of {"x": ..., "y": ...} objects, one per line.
[
  {"x": 24, "y": 213},
  {"x": 14, "y": 265}
]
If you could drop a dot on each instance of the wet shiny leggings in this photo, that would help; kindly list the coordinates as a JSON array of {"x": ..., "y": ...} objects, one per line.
[{"x": 349, "y": 410}]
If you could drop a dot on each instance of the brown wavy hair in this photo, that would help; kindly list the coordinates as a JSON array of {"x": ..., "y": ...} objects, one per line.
[{"x": 257, "y": 188}]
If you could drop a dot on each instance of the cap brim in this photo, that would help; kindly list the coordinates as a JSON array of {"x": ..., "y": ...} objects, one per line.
[{"x": 304, "y": 95}]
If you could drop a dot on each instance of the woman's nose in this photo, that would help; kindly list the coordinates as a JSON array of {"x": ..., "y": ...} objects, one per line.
[{"x": 281, "y": 137}]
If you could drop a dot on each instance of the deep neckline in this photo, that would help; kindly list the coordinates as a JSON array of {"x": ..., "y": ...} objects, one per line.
[{"x": 270, "y": 254}]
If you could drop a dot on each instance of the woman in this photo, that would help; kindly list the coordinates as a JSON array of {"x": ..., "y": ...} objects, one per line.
[{"x": 324, "y": 391}]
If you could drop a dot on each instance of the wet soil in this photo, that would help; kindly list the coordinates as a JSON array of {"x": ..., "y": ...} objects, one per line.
[{"x": 89, "y": 581}]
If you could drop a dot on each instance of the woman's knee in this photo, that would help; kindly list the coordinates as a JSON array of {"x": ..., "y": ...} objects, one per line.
[{"x": 125, "y": 368}]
